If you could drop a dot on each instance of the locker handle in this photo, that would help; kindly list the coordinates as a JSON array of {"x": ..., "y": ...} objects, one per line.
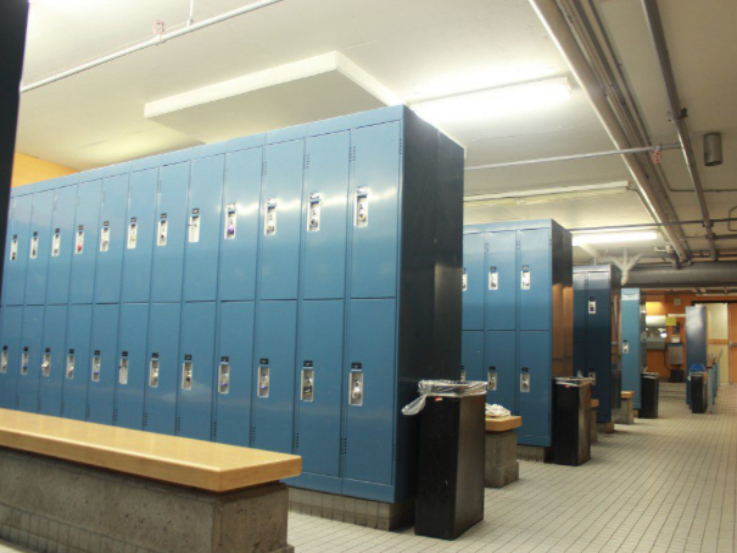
[
  {"x": 314, "y": 210},
  {"x": 361, "y": 207}
]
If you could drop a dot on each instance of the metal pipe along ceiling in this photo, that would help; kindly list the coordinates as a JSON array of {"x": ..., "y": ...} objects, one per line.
[{"x": 706, "y": 274}]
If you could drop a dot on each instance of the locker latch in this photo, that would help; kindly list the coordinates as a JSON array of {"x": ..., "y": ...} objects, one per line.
[
  {"x": 123, "y": 369},
  {"x": 592, "y": 376},
  {"x": 230, "y": 221},
  {"x": 308, "y": 382},
  {"x": 625, "y": 346},
  {"x": 592, "y": 306},
  {"x": 56, "y": 243},
  {"x": 187, "y": 373},
  {"x": 194, "y": 226},
  {"x": 270, "y": 221},
  {"x": 4, "y": 360},
  {"x": 46, "y": 363},
  {"x": 492, "y": 379},
  {"x": 70, "y": 365},
  {"x": 263, "y": 378},
  {"x": 361, "y": 207},
  {"x": 34, "y": 246},
  {"x": 525, "y": 278},
  {"x": 153, "y": 371},
  {"x": 14, "y": 248},
  {"x": 464, "y": 281},
  {"x": 493, "y": 278},
  {"x": 355, "y": 388},
  {"x": 224, "y": 376},
  {"x": 132, "y": 233},
  {"x": 24, "y": 362},
  {"x": 105, "y": 237},
  {"x": 524, "y": 380},
  {"x": 79, "y": 240},
  {"x": 162, "y": 231},
  {"x": 313, "y": 218},
  {"x": 96, "y": 366}
]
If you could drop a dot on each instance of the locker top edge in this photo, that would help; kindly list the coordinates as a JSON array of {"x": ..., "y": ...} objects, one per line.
[{"x": 515, "y": 225}]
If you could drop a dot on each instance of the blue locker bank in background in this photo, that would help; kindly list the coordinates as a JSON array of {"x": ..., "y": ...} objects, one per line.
[
  {"x": 597, "y": 334},
  {"x": 518, "y": 317},
  {"x": 284, "y": 291},
  {"x": 634, "y": 342}
]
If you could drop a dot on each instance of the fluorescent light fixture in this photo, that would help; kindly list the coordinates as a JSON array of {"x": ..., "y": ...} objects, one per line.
[
  {"x": 614, "y": 237},
  {"x": 547, "y": 195},
  {"x": 495, "y": 102}
]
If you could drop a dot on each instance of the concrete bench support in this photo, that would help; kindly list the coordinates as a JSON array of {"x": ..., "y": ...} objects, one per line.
[
  {"x": 593, "y": 427},
  {"x": 627, "y": 412},
  {"x": 501, "y": 467}
]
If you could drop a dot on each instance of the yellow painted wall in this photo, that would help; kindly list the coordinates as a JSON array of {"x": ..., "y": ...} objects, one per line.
[{"x": 27, "y": 170}]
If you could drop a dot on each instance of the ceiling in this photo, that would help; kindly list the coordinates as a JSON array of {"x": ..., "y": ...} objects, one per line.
[{"x": 418, "y": 49}]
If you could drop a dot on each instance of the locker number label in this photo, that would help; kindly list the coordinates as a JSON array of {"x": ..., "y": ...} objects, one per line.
[
  {"x": 105, "y": 237},
  {"x": 162, "y": 231},
  {"x": 231, "y": 219},
  {"x": 361, "y": 209},
  {"x": 194, "y": 226},
  {"x": 493, "y": 278},
  {"x": 592, "y": 306},
  {"x": 34, "y": 246},
  {"x": 270, "y": 221},
  {"x": 132, "y": 234},
  {"x": 525, "y": 279},
  {"x": 56, "y": 243},
  {"x": 79, "y": 241},
  {"x": 313, "y": 216},
  {"x": 14, "y": 248}
]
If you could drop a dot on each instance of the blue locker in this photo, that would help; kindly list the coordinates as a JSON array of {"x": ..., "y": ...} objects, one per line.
[
  {"x": 53, "y": 360},
  {"x": 16, "y": 250},
  {"x": 77, "y": 362},
  {"x": 139, "y": 236},
  {"x": 196, "y": 360},
  {"x": 40, "y": 248},
  {"x": 86, "y": 225},
  {"x": 598, "y": 308},
  {"x": 240, "y": 229},
  {"x": 501, "y": 280},
  {"x": 11, "y": 321},
  {"x": 370, "y": 411},
  {"x": 162, "y": 368},
  {"x": 472, "y": 355},
  {"x": 579, "y": 310},
  {"x": 598, "y": 367},
  {"x": 273, "y": 388},
  {"x": 324, "y": 205},
  {"x": 203, "y": 230},
  {"x": 30, "y": 365},
  {"x": 319, "y": 386},
  {"x": 474, "y": 282},
  {"x": 375, "y": 206},
  {"x": 633, "y": 342},
  {"x": 62, "y": 241},
  {"x": 534, "y": 277},
  {"x": 132, "y": 364},
  {"x": 501, "y": 368},
  {"x": 235, "y": 363},
  {"x": 535, "y": 388},
  {"x": 103, "y": 363},
  {"x": 171, "y": 231},
  {"x": 112, "y": 239},
  {"x": 281, "y": 221}
]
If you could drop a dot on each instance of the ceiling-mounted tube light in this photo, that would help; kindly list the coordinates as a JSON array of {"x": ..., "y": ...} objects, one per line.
[
  {"x": 546, "y": 195},
  {"x": 615, "y": 237}
]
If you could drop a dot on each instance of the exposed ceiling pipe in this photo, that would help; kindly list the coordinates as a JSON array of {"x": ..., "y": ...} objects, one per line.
[
  {"x": 555, "y": 24},
  {"x": 574, "y": 157},
  {"x": 698, "y": 275},
  {"x": 153, "y": 41},
  {"x": 678, "y": 113}
]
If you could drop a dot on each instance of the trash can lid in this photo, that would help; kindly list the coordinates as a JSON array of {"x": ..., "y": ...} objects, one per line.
[{"x": 573, "y": 381}]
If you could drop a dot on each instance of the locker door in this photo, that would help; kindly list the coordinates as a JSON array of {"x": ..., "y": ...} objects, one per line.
[
  {"x": 534, "y": 382},
  {"x": 203, "y": 231},
  {"x": 501, "y": 369},
  {"x": 86, "y": 229},
  {"x": 40, "y": 248},
  {"x": 324, "y": 205},
  {"x": 12, "y": 321},
  {"x": 30, "y": 364},
  {"x": 280, "y": 221},
  {"x": 501, "y": 280},
  {"x": 598, "y": 308},
  {"x": 16, "y": 250},
  {"x": 77, "y": 362},
  {"x": 240, "y": 230},
  {"x": 139, "y": 236},
  {"x": 274, "y": 356},
  {"x": 319, "y": 386},
  {"x": 131, "y": 366},
  {"x": 62, "y": 251},
  {"x": 371, "y": 386},
  {"x": 235, "y": 362},
  {"x": 171, "y": 225},
  {"x": 53, "y": 360},
  {"x": 599, "y": 363},
  {"x": 375, "y": 206},
  {"x": 579, "y": 307},
  {"x": 162, "y": 368},
  {"x": 103, "y": 364},
  {"x": 472, "y": 355},
  {"x": 196, "y": 371},
  {"x": 534, "y": 279},
  {"x": 112, "y": 239},
  {"x": 474, "y": 281}
]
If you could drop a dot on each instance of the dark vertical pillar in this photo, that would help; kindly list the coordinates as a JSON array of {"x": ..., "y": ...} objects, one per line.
[{"x": 13, "y": 23}]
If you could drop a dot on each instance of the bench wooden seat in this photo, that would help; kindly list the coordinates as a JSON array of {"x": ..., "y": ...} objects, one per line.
[
  {"x": 628, "y": 395},
  {"x": 594, "y": 403},
  {"x": 627, "y": 411},
  {"x": 501, "y": 466},
  {"x": 502, "y": 424}
]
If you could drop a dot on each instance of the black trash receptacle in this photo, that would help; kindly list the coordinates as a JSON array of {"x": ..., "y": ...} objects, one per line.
[
  {"x": 699, "y": 392},
  {"x": 572, "y": 424},
  {"x": 617, "y": 389},
  {"x": 450, "y": 476},
  {"x": 650, "y": 390}
]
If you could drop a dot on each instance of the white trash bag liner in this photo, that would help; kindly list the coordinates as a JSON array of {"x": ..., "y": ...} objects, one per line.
[
  {"x": 443, "y": 388},
  {"x": 495, "y": 411}
]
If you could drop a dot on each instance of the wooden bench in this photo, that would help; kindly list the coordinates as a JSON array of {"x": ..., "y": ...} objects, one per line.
[
  {"x": 501, "y": 466},
  {"x": 593, "y": 427},
  {"x": 81, "y": 486},
  {"x": 627, "y": 411}
]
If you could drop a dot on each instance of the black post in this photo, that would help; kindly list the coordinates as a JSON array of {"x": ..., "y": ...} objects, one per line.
[{"x": 13, "y": 24}]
